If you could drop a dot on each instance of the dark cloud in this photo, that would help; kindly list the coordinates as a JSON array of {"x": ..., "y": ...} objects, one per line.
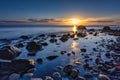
[
  {"x": 102, "y": 21},
  {"x": 3, "y": 21}
]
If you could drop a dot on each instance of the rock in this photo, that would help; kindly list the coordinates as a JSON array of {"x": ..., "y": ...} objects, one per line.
[
  {"x": 41, "y": 35},
  {"x": 20, "y": 45},
  {"x": 53, "y": 40},
  {"x": 107, "y": 55},
  {"x": 24, "y": 37},
  {"x": 88, "y": 75},
  {"x": 52, "y": 57},
  {"x": 74, "y": 73},
  {"x": 14, "y": 76},
  {"x": 97, "y": 60},
  {"x": 69, "y": 54},
  {"x": 22, "y": 65},
  {"x": 83, "y": 50},
  {"x": 68, "y": 69},
  {"x": 81, "y": 27},
  {"x": 103, "y": 77},
  {"x": 44, "y": 43},
  {"x": 106, "y": 29},
  {"x": 53, "y": 35},
  {"x": 86, "y": 66},
  {"x": 64, "y": 38},
  {"x": 31, "y": 70},
  {"x": 9, "y": 52},
  {"x": 57, "y": 76},
  {"x": 80, "y": 34},
  {"x": 48, "y": 78},
  {"x": 79, "y": 78},
  {"x": 39, "y": 61},
  {"x": 63, "y": 52},
  {"x": 31, "y": 54},
  {"x": 33, "y": 46}
]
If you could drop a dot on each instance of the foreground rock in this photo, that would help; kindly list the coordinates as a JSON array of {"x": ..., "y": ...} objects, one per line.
[
  {"x": 33, "y": 46},
  {"x": 81, "y": 27},
  {"x": 106, "y": 29},
  {"x": 9, "y": 52}
]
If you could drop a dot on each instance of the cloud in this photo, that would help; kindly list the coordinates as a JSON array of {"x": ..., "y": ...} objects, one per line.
[
  {"x": 6, "y": 21},
  {"x": 102, "y": 21}
]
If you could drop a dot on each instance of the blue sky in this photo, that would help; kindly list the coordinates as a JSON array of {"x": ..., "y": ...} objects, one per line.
[{"x": 17, "y": 10}]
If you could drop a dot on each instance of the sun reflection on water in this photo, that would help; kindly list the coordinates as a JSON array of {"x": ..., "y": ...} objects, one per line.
[
  {"x": 74, "y": 29},
  {"x": 74, "y": 46}
]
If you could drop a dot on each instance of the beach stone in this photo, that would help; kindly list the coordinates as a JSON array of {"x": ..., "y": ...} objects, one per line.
[
  {"x": 107, "y": 54},
  {"x": 52, "y": 57},
  {"x": 19, "y": 45},
  {"x": 83, "y": 50},
  {"x": 9, "y": 52},
  {"x": 39, "y": 60},
  {"x": 74, "y": 73},
  {"x": 68, "y": 69},
  {"x": 63, "y": 52},
  {"x": 24, "y": 37},
  {"x": 79, "y": 78},
  {"x": 81, "y": 27},
  {"x": 88, "y": 75},
  {"x": 41, "y": 35},
  {"x": 64, "y": 38},
  {"x": 14, "y": 76},
  {"x": 33, "y": 46},
  {"x": 22, "y": 65},
  {"x": 44, "y": 43},
  {"x": 106, "y": 29},
  {"x": 53, "y": 40},
  {"x": 103, "y": 77},
  {"x": 57, "y": 76}
]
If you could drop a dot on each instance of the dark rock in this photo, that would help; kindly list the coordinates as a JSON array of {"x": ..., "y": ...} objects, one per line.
[
  {"x": 44, "y": 43},
  {"x": 79, "y": 78},
  {"x": 83, "y": 50},
  {"x": 97, "y": 60},
  {"x": 39, "y": 61},
  {"x": 80, "y": 34},
  {"x": 24, "y": 37},
  {"x": 64, "y": 38},
  {"x": 107, "y": 54},
  {"x": 103, "y": 77},
  {"x": 9, "y": 52},
  {"x": 41, "y": 35},
  {"x": 88, "y": 75},
  {"x": 20, "y": 45},
  {"x": 63, "y": 52},
  {"x": 53, "y": 40},
  {"x": 53, "y": 35},
  {"x": 22, "y": 65},
  {"x": 52, "y": 57},
  {"x": 74, "y": 73},
  {"x": 33, "y": 46},
  {"x": 81, "y": 27},
  {"x": 68, "y": 69},
  {"x": 106, "y": 29},
  {"x": 57, "y": 76}
]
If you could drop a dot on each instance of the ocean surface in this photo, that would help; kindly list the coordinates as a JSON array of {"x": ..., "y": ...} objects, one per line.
[{"x": 8, "y": 32}]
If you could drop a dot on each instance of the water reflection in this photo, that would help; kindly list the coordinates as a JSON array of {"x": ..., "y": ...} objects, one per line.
[
  {"x": 74, "y": 29},
  {"x": 74, "y": 46}
]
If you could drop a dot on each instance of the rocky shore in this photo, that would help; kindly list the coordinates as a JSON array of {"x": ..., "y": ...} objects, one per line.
[{"x": 86, "y": 54}]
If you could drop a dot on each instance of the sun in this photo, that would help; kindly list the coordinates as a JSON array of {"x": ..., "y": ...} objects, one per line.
[{"x": 75, "y": 21}]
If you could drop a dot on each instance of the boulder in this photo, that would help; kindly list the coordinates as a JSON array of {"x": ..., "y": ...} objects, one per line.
[
  {"x": 106, "y": 29},
  {"x": 33, "y": 46},
  {"x": 24, "y": 37},
  {"x": 64, "y": 38},
  {"x": 9, "y": 52},
  {"x": 81, "y": 27},
  {"x": 22, "y": 65},
  {"x": 68, "y": 69},
  {"x": 103, "y": 77},
  {"x": 14, "y": 76},
  {"x": 57, "y": 76},
  {"x": 74, "y": 73},
  {"x": 53, "y": 40},
  {"x": 44, "y": 43},
  {"x": 83, "y": 50},
  {"x": 48, "y": 78}
]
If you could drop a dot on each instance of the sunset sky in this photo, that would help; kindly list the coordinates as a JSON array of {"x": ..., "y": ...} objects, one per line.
[{"x": 59, "y": 12}]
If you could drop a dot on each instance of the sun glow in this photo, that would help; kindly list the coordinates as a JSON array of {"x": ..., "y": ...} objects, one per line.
[{"x": 75, "y": 21}]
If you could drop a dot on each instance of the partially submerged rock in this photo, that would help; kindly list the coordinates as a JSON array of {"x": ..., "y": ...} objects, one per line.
[
  {"x": 52, "y": 57},
  {"x": 39, "y": 60},
  {"x": 68, "y": 69},
  {"x": 64, "y": 38},
  {"x": 33, "y": 46},
  {"x": 106, "y": 29},
  {"x": 81, "y": 27},
  {"x": 9, "y": 52},
  {"x": 24, "y": 37}
]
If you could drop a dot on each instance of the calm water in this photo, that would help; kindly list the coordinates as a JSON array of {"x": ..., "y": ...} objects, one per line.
[{"x": 14, "y": 32}]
